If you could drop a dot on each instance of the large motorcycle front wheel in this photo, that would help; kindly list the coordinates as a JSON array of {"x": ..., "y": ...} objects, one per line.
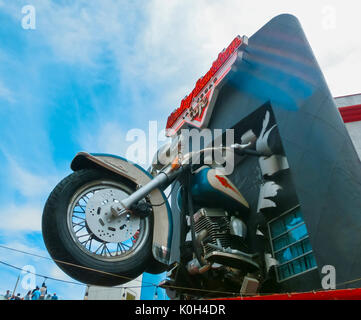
[{"x": 85, "y": 240}]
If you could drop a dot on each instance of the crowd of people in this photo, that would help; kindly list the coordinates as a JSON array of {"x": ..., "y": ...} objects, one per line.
[{"x": 35, "y": 294}]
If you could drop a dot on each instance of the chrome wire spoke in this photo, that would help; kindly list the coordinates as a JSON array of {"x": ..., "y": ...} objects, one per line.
[
  {"x": 81, "y": 228},
  {"x": 79, "y": 223},
  {"x": 126, "y": 245},
  {"x": 79, "y": 212},
  {"x": 99, "y": 248},
  {"x": 84, "y": 243},
  {"x": 90, "y": 243},
  {"x": 103, "y": 248},
  {"x": 81, "y": 218},
  {"x": 123, "y": 247},
  {"x": 107, "y": 239},
  {"x": 106, "y": 247},
  {"x": 84, "y": 235},
  {"x": 119, "y": 247},
  {"x": 82, "y": 208}
]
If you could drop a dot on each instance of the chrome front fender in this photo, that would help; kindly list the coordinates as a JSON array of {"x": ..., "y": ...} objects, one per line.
[{"x": 163, "y": 225}]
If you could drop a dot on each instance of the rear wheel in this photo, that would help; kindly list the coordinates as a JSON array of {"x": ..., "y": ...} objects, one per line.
[{"x": 85, "y": 239}]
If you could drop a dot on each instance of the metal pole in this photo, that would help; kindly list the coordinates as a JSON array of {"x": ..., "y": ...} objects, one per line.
[{"x": 16, "y": 285}]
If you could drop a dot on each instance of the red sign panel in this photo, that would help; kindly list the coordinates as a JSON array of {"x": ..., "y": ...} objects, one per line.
[
  {"x": 194, "y": 107},
  {"x": 342, "y": 294}
]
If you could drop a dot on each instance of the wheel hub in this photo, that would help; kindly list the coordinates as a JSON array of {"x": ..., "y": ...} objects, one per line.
[{"x": 102, "y": 222}]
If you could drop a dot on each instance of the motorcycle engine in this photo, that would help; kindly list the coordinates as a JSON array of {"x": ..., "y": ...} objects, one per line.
[
  {"x": 223, "y": 262},
  {"x": 212, "y": 228},
  {"x": 221, "y": 237}
]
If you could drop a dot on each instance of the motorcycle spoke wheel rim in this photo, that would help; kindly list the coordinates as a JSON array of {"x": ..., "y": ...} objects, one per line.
[{"x": 85, "y": 239}]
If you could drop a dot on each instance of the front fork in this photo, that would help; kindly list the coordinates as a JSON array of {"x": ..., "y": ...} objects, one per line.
[
  {"x": 166, "y": 176},
  {"x": 163, "y": 180}
]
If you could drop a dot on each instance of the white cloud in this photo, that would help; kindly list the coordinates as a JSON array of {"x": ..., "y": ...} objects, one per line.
[
  {"x": 182, "y": 38},
  {"x": 29, "y": 184},
  {"x": 18, "y": 242},
  {"x": 79, "y": 32},
  {"x": 109, "y": 138},
  {"x": 137, "y": 145},
  {"x": 6, "y": 93},
  {"x": 19, "y": 259},
  {"x": 26, "y": 216},
  {"x": 168, "y": 37},
  {"x": 21, "y": 217},
  {"x": 57, "y": 273},
  {"x": 167, "y": 45},
  {"x": 177, "y": 41}
]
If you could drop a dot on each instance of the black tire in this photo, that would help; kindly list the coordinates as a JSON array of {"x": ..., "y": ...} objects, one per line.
[{"x": 69, "y": 256}]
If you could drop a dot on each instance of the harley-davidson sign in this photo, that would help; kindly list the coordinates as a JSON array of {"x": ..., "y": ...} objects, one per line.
[{"x": 196, "y": 108}]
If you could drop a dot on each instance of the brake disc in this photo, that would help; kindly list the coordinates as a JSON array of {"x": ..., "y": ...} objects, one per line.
[{"x": 103, "y": 224}]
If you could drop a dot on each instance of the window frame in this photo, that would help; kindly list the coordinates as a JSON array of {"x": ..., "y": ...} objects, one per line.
[{"x": 282, "y": 234}]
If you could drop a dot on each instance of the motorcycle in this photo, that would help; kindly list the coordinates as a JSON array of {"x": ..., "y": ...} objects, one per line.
[{"x": 110, "y": 220}]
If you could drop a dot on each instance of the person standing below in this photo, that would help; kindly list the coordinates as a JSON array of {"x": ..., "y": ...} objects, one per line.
[
  {"x": 37, "y": 288},
  {"x": 54, "y": 297},
  {"x": 43, "y": 291},
  {"x": 7, "y": 295},
  {"x": 28, "y": 296},
  {"x": 36, "y": 294}
]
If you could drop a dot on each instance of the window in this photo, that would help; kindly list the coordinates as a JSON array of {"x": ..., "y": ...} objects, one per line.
[{"x": 291, "y": 245}]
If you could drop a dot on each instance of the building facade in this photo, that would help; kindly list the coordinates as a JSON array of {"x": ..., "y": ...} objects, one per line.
[
  {"x": 297, "y": 268},
  {"x": 304, "y": 199},
  {"x": 129, "y": 291},
  {"x": 350, "y": 110}
]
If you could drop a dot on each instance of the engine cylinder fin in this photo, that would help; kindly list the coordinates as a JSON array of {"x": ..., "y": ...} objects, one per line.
[{"x": 217, "y": 226}]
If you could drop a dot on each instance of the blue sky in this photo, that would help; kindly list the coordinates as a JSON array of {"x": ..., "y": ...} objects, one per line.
[{"x": 93, "y": 70}]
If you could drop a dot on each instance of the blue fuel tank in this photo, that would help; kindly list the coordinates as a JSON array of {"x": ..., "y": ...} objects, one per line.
[{"x": 209, "y": 188}]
